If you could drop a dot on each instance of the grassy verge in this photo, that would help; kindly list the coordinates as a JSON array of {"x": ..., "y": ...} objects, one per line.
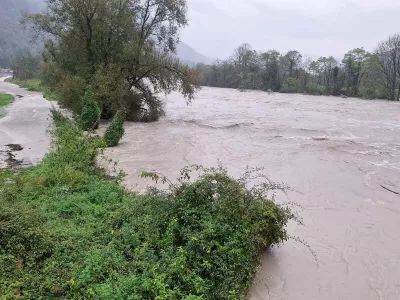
[
  {"x": 34, "y": 85},
  {"x": 68, "y": 233},
  {"x": 5, "y": 99}
]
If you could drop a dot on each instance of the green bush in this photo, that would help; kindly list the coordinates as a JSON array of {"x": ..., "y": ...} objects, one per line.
[
  {"x": 372, "y": 93},
  {"x": 290, "y": 86},
  {"x": 115, "y": 130},
  {"x": 90, "y": 114},
  {"x": 315, "y": 89},
  {"x": 71, "y": 88},
  {"x": 68, "y": 233}
]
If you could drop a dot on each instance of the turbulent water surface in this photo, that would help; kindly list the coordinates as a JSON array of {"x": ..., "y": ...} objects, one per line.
[{"x": 338, "y": 154}]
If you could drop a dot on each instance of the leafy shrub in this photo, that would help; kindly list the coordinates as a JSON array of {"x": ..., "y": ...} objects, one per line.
[
  {"x": 115, "y": 130},
  {"x": 372, "y": 93},
  {"x": 315, "y": 89},
  {"x": 71, "y": 234},
  {"x": 90, "y": 114},
  {"x": 69, "y": 89},
  {"x": 290, "y": 86},
  {"x": 206, "y": 235}
]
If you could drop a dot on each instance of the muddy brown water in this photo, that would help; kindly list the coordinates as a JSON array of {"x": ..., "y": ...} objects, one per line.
[{"x": 337, "y": 153}]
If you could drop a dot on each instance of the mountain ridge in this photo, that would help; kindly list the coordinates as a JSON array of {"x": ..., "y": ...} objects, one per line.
[{"x": 189, "y": 55}]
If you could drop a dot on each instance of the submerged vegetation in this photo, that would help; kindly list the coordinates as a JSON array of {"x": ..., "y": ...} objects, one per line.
[{"x": 69, "y": 233}]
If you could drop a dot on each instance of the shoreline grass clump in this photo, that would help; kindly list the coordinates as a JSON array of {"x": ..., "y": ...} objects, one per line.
[
  {"x": 6, "y": 99},
  {"x": 67, "y": 233}
]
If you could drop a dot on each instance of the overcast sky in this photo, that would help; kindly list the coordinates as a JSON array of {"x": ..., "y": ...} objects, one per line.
[{"x": 313, "y": 27}]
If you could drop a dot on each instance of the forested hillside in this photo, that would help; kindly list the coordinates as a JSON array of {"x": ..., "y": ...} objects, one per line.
[{"x": 13, "y": 38}]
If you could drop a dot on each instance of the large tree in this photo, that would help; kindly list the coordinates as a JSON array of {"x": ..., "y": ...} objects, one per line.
[
  {"x": 293, "y": 61},
  {"x": 270, "y": 70},
  {"x": 354, "y": 63},
  {"x": 124, "y": 48},
  {"x": 246, "y": 63},
  {"x": 388, "y": 53}
]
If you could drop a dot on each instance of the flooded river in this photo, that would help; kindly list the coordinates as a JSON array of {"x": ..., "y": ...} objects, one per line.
[{"x": 340, "y": 155}]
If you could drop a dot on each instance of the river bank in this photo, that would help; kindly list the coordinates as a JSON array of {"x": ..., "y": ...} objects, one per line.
[
  {"x": 71, "y": 231},
  {"x": 336, "y": 153},
  {"x": 340, "y": 155}
]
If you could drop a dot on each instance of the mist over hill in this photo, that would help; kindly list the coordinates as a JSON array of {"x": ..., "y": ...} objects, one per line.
[
  {"x": 189, "y": 55},
  {"x": 14, "y": 38}
]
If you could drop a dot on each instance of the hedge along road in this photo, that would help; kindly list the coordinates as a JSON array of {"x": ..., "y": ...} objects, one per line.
[{"x": 25, "y": 124}]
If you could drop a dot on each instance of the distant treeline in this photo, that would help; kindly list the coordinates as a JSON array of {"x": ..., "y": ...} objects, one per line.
[{"x": 358, "y": 74}]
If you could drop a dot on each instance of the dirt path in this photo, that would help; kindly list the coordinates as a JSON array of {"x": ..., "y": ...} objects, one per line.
[{"x": 24, "y": 124}]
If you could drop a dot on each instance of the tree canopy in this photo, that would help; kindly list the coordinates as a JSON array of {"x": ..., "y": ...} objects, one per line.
[
  {"x": 358, "y": 74},
  {"x": 123, "y": 48}
]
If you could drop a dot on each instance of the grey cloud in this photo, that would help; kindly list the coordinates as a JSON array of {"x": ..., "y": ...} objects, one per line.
[{"x": 314, "y": 27}]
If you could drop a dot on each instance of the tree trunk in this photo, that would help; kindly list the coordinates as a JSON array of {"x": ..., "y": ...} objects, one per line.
[{"x": 398, "y": 93}]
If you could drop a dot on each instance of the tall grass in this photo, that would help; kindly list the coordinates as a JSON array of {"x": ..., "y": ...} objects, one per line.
[{"x": 35, "y": 85}]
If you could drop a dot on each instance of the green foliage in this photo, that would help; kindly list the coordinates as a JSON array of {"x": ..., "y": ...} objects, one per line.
[
  {"x": 71, "y": 88},
  {"x": 32, "y": 85},
  {"x": 315, "y": 89},
  {"x": 213, "y": 231},
  {"x": 126, "y": 49},
  {"x": 354, "y": 63},
  {"x": 360, "y": 74},
  {"x": 90, "y": 114},
  {"x": 372, "y": 93},
  {"x": 115, "y": 131},
  {"x": 25, "y": 66},
  {"x": 67, "y": 232},
  {"x": 291, "y": 86},
  {"x": 5, "y": 99}
]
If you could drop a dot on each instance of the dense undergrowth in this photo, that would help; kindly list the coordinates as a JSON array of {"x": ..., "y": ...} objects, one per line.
[
  {"x": 35, "y": 85},
  {"x": 68, "y": 233}
]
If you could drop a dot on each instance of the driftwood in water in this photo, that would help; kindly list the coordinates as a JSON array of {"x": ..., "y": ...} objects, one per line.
[{"x": 397, "y": 193}]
